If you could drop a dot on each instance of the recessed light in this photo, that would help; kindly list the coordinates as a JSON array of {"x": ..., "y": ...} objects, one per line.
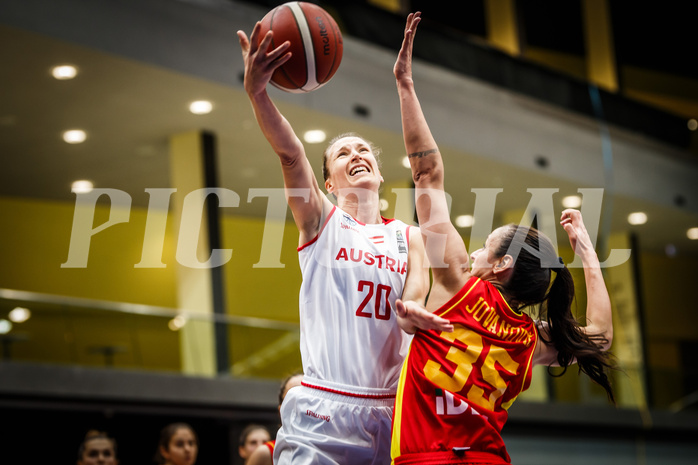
[
  {"x": 406, "y": 161},
  {"x": 177, "y": 323},
  {"x": 692, "y": 124},
  {"x": 64, "y": 72},
  {"x": 465, "y": 221},
  {"x": 383, "y": 205},
  {"x": 637, "y": 218},
  {"x": 314, "y": 136},
  {"x": 692, "y": 234},
  {"x": 572, "y": 201},
  {"x": 19, "y": 314},
  {"x": 75, "y": 136},
  {"x": 81, "y": 187},
  {"x": 5, "y": 326},
  {"x": 201, "y": 107}
]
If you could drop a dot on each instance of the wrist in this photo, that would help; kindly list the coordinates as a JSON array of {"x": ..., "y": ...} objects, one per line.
[{"x": 589, "y": 258}]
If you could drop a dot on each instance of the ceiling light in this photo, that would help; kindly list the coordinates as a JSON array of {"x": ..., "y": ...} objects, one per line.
[
  {"x": 692, "y": 124},
  {"x": 64, "y": 72},
  {"x": 74, "y": 136},
  {"x": 637, "y": 218},
  {"x": 5, "y": 326},
  {"x": 465, "y": 221},
  {"x": 572, "y": 201},
  {"x": 81, "y": 187},
  {"x": 383, "y": 205},
  {"x": 201, "y": 107},
  {"x": 314, "y": 136},
  {"x": 692, "y": 234},
  {"x": 406, "y": 161},
  {"x": 19, "y": 314},
  {"x": 177, "y": 323}
]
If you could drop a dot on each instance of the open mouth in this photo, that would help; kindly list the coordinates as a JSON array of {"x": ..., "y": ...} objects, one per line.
[{"x": 358, "y": 169}]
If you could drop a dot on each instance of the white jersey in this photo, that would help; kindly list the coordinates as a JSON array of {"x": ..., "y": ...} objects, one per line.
[{"x": 352, "y": 275}]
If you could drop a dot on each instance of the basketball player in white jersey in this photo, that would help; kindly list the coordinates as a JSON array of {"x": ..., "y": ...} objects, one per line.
[{"x": 354, "y": 265}]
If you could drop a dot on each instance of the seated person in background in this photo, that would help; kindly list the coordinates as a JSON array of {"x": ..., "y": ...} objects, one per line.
[
  {"x": 251, "y": 438},
  {"x": 178, "y": 445},
  {"x": 97, "y": 448}
]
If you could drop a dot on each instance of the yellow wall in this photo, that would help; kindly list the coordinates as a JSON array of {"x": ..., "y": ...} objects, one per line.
[
  {"x": 257, "y": 291},
  {"x": 36, "y": 238},
  {"x": 35, "y": 241},
  {"x": 669, "y": 311}
]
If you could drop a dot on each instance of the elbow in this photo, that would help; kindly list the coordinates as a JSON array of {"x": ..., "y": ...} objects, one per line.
[
  {"x": 289, "y": 157},
  {"x": 603, "y": 337},
  {"x": 427, "y": 176},
  {"x": 608, "y": 336}
]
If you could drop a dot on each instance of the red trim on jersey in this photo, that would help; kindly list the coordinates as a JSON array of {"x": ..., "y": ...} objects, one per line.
[
  {"x": 349, "y": 394},
  {"x": 456, "y": 299},
  {"x": 319, "y": 232},
  {"x": 463, "y": 293}
]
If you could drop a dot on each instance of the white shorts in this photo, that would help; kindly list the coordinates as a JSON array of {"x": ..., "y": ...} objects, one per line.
[{"x": 321, "y": 427}]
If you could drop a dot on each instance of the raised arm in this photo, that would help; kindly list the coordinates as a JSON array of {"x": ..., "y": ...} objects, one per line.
[
  {"x": 444, "y": 246},
  {"x": 599, "y": 317},
  {"x": 599, "y": 325},
  {"x": 298, "y": 174}
]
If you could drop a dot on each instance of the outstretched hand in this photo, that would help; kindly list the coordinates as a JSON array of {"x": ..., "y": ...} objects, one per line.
[
  {"x": 412, "y": 316},
  {"x": 573, "y": 225},
  {"x": 260, "y": 64},
  {"x": 403, "y": 65}
]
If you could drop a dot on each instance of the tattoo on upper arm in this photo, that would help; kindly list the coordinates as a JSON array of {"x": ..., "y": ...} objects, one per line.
[{"x": 422, "y": 154}]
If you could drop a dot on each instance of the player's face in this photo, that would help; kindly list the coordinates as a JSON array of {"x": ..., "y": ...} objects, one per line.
[
  {"x": 98, "y": 451},
  {"x": 352, "y": 163},
  {"x": 482, "y": 261},
  {"x": 182, "y": 448}
]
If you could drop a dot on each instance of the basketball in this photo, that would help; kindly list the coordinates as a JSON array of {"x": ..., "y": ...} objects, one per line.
[{"x": 316, "y": 45}]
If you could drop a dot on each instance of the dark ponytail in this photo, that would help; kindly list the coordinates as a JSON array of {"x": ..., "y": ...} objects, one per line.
[
  {"x": 535, "y": 263},
  {"x": 565, "y": 334}
]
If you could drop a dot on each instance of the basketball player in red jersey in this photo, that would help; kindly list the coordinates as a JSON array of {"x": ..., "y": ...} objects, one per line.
[
  {"x": 455, "y": 387},
  {"x": 354, "y": 264}
]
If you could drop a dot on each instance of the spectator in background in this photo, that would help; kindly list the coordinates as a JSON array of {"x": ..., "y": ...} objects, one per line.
[
  {"x": 178, "y": 445},
  {"x": 97, "y": 449},
  {"x": 251, "y": 438}
]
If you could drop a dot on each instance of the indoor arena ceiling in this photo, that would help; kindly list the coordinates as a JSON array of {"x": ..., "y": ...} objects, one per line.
[{"x": 132, "y": 104}]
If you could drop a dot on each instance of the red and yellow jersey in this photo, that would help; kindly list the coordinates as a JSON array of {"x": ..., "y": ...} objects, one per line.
[
  {"x": 270, "y": 445},
  {"x": 455, "y": 388}
]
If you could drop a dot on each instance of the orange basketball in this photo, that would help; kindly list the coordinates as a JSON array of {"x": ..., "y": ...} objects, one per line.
[{"x": 316, "y": 45}]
